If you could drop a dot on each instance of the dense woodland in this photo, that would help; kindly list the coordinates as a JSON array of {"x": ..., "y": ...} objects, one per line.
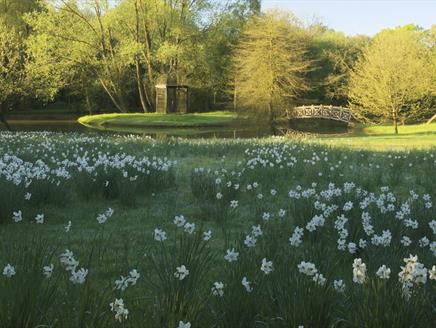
[{"x": 108, "y": 56}]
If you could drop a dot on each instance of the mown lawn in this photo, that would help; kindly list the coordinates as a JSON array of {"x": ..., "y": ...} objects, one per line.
[
  {"x": 159, "y": 120},
  {"x": 419, "y": 136}
]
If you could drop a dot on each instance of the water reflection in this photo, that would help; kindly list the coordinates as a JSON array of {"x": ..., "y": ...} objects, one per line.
[
  {"x": 63, "y": 126},
  {"x": 307, "y": 126},
  {"x": 72, "y": 126}
]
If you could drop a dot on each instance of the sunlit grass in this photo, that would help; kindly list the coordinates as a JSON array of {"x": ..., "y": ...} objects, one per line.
[
  {"x": 159, "y": 120},
  {"x": 382, "y": 137},
  {"x": 388, "y": 130}
]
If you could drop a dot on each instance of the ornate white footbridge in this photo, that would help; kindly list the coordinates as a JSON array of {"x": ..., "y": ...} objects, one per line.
[{"x": 335, "y": 113}]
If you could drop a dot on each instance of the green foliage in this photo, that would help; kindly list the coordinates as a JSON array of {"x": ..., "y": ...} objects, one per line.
[
  {"x": 177, "y": 299},
  {"x": 395, "y": 72},
  {"x": 334, "y": 55},
  {"x": 270, "y": 62},
  {"x": 85, "y": 34},
  {"x": 11, "y": 63},
  {"x": 14, "y": 84},
  {"x": 26, "y": 301},
  {"x": 111, "y": 54},
  {"x": 12, "y": 13},
  {"x": 11, "y": 201}
]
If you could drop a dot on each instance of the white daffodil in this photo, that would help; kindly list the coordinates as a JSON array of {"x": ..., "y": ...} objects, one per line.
[
  {"x": 231, "y": 256},
  {"x": 159, "y": 235},
  {"x": 184, "y": 324},
  {"x": 267, "y": 266},
  {"x": 9, "y": 271},
  {"x": 359, "y": 271},
  {"x": 39, "y": 218},
  {"x": 207, "y": 235},
  {"x": 247, "y": 285},
  {"x": 181, "y": 272},
  {"x": 47, "y": 271},
  {"x": 218, "y": 289},
  {"x": 118, "y": 307},
  {"x": 383, "y": 272},
  {"x": 179, "y": 220}
]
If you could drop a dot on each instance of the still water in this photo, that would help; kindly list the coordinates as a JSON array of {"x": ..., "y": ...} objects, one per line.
[
  {"x": 310, "y": 126},
  {"x": 72, "y": 126}
]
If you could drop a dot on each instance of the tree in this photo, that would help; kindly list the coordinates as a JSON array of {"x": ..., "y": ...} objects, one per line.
[
  {"x": 13, "y": 33},
  {"x": 12, "y": 12},
  {"x": 334, "y": 55},
  {"x": 76, "y": 33},
  {"x": 124, "y": 47},
  {"x": 394, "y": 74},
  {"x": 255, "y": 6},
  {"x": 161, "y": 39},
  {"x": 11, "y": 67},
  {"x": 213, "y": 64},
  {"x": 270, "y": 63},
  {"x": 176, "y": 39}
]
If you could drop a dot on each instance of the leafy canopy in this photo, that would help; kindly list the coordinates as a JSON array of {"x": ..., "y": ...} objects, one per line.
[
  {"x": 270, "y": 62},
  {"x": 395, "y": 72}
]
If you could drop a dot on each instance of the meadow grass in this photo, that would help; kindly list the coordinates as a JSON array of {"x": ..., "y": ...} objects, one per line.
[{"x": 227, "y": 187}]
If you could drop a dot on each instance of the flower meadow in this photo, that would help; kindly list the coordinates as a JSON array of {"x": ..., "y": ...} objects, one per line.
[{"x": 100, "y": 230}]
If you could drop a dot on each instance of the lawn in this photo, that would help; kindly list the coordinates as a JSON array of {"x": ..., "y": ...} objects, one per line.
[
  {"x": 153, "y": 120},
  {"x": 382, "y": 137},
  {"x": 217, "y": 232},
  {"x": 403, "y": 130}
]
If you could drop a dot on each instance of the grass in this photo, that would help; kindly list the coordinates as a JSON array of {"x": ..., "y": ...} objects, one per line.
[
  {"x": 381, "y": 130},
  {"x": 419, "y": 136},
  {"x": 153, "y": 120},
  {"x": 283, "y": 298}
]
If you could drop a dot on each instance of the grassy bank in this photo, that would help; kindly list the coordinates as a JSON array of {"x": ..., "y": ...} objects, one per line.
[
  {"x": 156, "y": 120},
  {"x": 382, "y": 137}
]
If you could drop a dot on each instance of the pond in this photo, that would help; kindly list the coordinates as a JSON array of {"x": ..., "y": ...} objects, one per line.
[
  {"x": 305, "y": 126},
  {"x": 73, "y": 126},
  {"x": 319, "y": 126},
  {"x": 46, "y": 125}
]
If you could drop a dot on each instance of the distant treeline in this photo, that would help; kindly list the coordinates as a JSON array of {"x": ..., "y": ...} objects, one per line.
[{"x": 111, "y": 54}]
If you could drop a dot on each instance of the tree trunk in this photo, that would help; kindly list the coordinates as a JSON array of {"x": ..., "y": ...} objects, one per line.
[
  {"x": 271, "y": 118},
  {"x": 145, "y": 103},
  {"x": 150, "y": 94},
  {"x": 140, "y": 86},
  {"x": 235, "y": 98},
  {"x": 3, "y": 117},
  {"x": 432, "y": 119},
  {"x": 120, "y": 106},
  {"x": 88, "y": 102},
  {"x": 395, "y": 119}
]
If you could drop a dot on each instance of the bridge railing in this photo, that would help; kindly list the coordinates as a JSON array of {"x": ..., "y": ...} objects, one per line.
[{"x": 336, "y": 113}]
